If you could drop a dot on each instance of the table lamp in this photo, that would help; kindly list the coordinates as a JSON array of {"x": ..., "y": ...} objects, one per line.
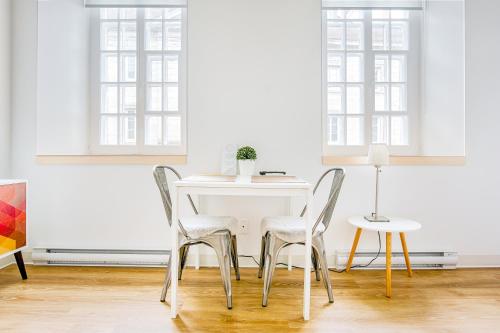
[{"x": 378, "y": 155}]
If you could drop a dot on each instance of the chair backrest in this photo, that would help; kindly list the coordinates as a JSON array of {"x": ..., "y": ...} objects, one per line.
[
  {"x": 160, "y": 175},
  {"x": 327, "y": 212}
]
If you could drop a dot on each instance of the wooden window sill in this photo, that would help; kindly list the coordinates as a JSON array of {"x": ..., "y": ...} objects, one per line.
[
  {"x": 396, "y": 160},
  {"x": 112, "y": 159}
]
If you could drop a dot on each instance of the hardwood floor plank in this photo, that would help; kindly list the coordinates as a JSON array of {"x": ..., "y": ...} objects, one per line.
[{"x": 110, "y": 300}]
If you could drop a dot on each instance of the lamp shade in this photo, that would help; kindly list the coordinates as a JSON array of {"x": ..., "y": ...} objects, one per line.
[{"x": 378, "y": 155}]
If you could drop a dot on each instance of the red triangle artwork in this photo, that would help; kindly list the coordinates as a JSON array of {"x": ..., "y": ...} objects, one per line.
[{"x": 12, "y": 217}]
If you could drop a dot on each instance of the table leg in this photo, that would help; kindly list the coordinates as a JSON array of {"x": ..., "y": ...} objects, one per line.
[
  {"x": 405, "y": 251},
  {"x": 307, "y": 258},
  {"x": 20, "y": 264},
  {"x": 174, "y": 252},
  {"x": 289, "y": 249},
  {"x": 353, "y": 249},
  {"x": 388, "y": 255}
]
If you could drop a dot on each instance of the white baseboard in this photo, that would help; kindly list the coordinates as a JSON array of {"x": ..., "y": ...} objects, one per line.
[{"x": 210, "y": 260}]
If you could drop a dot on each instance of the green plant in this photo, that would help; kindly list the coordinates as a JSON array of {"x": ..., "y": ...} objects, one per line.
[{"x": 246, "y": 153}]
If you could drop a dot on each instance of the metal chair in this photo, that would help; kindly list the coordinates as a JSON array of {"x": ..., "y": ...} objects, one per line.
[
  {"x": 218, "y": 232},
  {"x": 282, "y": 231}
]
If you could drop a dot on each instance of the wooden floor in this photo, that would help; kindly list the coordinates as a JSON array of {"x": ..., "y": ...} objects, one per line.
[{"x": 77, "y": 299}]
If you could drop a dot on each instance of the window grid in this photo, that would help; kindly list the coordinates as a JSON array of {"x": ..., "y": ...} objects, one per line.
[
  {"x": 118, "y": 127},
  {"x": 162, "y": 122},
  {"x": 390, "y": 125},
  {"x": 395, "y": 119},
  {"x": 123, "y": 124},
  {"x": 347, "y": 116}
]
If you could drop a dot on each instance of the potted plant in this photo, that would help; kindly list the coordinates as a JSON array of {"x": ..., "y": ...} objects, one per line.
[{"x": 246, "y": 157}]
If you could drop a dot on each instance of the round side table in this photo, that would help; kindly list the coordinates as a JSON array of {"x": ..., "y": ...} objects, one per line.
[{"x": 396, "y": 224}]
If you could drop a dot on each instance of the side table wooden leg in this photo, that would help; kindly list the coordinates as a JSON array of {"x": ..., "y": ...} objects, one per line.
[
  {"x": 353, "y": 249},
  {"x": 405, "y": 251},
  {"x": 20, "y": 264},
  {"x": 388, "y": 255}
]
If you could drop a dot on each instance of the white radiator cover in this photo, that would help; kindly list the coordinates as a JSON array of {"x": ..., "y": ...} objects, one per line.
[
  {"x": 418, "y": 260},
  {"x": 157, "y": 258},
  {"x": 81, "y": 257}
]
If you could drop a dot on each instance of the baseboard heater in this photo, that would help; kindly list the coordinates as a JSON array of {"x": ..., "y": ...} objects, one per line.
[
  {"x": 418, "y": 260},
  {"x": 81, "y": 257}
]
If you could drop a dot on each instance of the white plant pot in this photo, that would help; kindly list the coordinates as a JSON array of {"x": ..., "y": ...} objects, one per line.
[{"x": 247, "y": 167}]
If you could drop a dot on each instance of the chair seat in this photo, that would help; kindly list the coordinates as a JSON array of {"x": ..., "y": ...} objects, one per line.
[
  {"x": 291, "y": 229},
  {"x": 199, "y": 226}
]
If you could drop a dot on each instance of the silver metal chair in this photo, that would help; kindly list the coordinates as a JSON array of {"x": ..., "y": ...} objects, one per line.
[
  {"x": 218, "y": 232},
  {"x": 282, "y": 231}
]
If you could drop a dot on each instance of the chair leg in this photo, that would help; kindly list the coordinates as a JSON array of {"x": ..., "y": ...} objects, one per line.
[
  {"x": 183, "y": 253},
  {"x": 314, "y": 259},
  {"x": 273, "y": 247},
  {"x": 262, "y": 255},
  {"x": 319, "y": 244},
  {"x": 234, "y": 256},
  {"x": 222, "y": 246},
  {"x": 166, "y": 283}
]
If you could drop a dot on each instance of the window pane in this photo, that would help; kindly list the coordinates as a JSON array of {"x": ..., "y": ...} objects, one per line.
[
  {"x": 109, "y": 99},
  {"x": 335, "y": 36},
  {"x": 380, "y": 35},
  {"x": 172, "y": 68},
  {"x": 398, "y": 97},
  {"x": 381, "y": 97},
  {"x": 399, "y": 14},
  {"x": 109, "y": 67},
  {"x": 382, "y": 68},
  {"x": 153, "y": 36},
  {"x": 109, "y": 13},
  {"x": 154, "y": 98},
  {"x": 128, "y": 13},
  {"x": 173, "y": 128},
  {"x": 399, "y": 131},
  {"x": 334, "y": 70},
  {"x": 354, "y": 131},
  {"x": 153, "y": 13},
  {"x": 173, "y": 13},
  {"x": 354, "y": 68},
  {"x": 335, "y": 14},
  {"x": 399, "y": 35},
  {"x": 354, "y": 99},
  {"x": 380, "y": 129},
  {"x": 128, "y": 65},
  {"x": 354, "y": 14},
  {"x": 128, "y": 99},
  {"x": 128, "y": 35},
  {"x": 109, "y": 130},
  {"x": 398, "y": 68},
  {"x": 335, "y": 130},
  {"x": 380, "y": 14},
  {"x": 173, "y": 36},
  {"x": 127, "y": 130},
  {"x": 171, "y": 98},
  {"x": 153, "y": 130},
  {"x": 154, "y": 68},
  {"x": 335, "y": 99},
  {"x": 354, "y": 34},
  {"x": 109, "y": 36}
]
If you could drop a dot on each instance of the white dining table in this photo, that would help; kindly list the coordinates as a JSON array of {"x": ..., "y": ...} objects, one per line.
[{"x": 264, "y": 186}]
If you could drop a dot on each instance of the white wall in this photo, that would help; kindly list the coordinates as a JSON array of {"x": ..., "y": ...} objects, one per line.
[
  {"x": 444, "y": 80},
  {"x": 5, "y": 50},
  {"x": 63, "y": 87},
  {"x": 254, "y": 78}
]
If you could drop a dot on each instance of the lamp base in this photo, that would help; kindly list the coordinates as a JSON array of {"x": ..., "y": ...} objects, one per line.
[{"x": 375, "y": 218}]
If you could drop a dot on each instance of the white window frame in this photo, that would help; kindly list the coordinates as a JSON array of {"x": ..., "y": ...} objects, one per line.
[
  {"x": 140, "y": 148},
  {"x": 413, "y": 81}
]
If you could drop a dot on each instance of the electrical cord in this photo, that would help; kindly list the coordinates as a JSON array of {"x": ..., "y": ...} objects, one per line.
[{"x": 330, "y": 269}]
